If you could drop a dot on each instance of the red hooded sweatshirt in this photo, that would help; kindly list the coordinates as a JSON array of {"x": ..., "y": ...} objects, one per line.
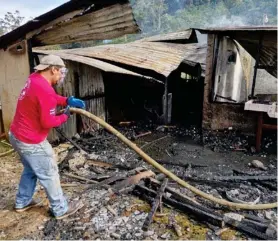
[{"x": 36, "y": 111}]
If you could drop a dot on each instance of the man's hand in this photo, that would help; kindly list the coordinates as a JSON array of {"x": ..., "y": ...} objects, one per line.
[
  {"x": 74, "y": 102},
  {"x": 67, "y": 111}
]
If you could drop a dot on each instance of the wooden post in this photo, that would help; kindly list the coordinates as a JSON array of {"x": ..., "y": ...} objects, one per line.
[{"x": 30, "y": 56}]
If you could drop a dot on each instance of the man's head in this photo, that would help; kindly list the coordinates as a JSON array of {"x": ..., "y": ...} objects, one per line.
[{"x": 52, "y": 68}]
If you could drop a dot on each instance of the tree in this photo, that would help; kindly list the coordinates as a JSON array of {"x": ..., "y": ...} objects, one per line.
[
  {"x": 10, "y": 22},
  {"x": 150, "y": 14}
]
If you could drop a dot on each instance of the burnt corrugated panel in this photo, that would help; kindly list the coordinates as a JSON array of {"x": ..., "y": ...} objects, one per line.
[
  {"x": 162, "y": 58},
  {"x": 106, "y": 23},
  {"x": 185, "y": 36},
  {"x": 110, "y": 68},
  {"x": 197, "y": 56},
  {"x": 249, "y": 37}
]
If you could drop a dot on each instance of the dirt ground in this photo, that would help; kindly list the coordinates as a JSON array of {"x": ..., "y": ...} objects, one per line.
[
  {"x": 37, "y": 223},
  {"x": 16, "y": 225}
]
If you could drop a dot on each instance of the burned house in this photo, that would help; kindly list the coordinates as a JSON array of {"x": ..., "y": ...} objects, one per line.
[
  {"x": 71, "y": 22},
  {"x": 129, "y": 82},
  {"x": 241, "y": 69}
]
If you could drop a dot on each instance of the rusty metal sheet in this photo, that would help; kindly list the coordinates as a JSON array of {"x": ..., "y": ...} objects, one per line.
[
  {"x": 162, "y": 58},
  {"x": 106, "y": 67},
  {"x": 248, "y": 37},
  {"x": 197, "y": 56}
]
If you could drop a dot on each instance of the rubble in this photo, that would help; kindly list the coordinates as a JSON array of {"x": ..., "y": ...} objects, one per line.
[
  {"x": 245, "y": 194},
  {"x": 105, "y": 181}
]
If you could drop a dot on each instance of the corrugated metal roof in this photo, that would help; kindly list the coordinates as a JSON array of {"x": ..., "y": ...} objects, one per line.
[
  {"x": 248, "y": 37},
  {"x": 197, "y": 56},
  {"x": 185, "y": 36},
  {"x": 162, "y": 58},
  {"x": 71, "y": 6},
  {"x": 106, "y": 67}
]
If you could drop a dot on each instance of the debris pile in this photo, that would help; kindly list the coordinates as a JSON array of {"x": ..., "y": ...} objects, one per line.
[
  {"x": 232, "y": 140},
  {"x": 124, "y": 198}
]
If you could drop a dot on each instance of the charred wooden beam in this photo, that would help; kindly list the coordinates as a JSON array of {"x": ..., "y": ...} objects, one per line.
[
  {"x": 119, "y": 176},
  {"x": 249, "y": 227},
  {"x": 212, "y": 183},
  {"x": 233, "y": 178},
  {"x": 246, "y": 178},
  {"x": 261, "y": 227},
  {"x": 195, "y": 210},
  {"x": 114, "y": 178},
  {"x": 79, "y": 178},
  {"x": 130, "y": 182},
  {"x": 270, "y": 185},
  {"x": 242, "y": 226},
  {"x": 248, "y": 173},
  {"x": 185, "y": 165},
  {"x": 179, "y": 196},
  {"x": 256, "y": 218},
  {"x": 97, "y": 170},
  {"x": 155, "y": 205},
  {"x": 141, "y": 135},
  {"x": 98, "y": 177},
  {"x": 107, "y": 165}
]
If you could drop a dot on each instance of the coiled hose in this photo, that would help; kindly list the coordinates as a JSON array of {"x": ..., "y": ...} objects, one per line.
[{"x": 167, "y": 172}]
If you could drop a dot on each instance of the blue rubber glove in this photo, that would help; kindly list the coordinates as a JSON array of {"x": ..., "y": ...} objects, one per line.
[
  {"x": 67, "y": 111},
  {"x": 74, "y": 102}
]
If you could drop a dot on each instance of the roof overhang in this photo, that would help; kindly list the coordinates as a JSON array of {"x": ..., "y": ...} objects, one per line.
[
  {"x": 250, "y": 38},
  {"x": 99, "y": 19}
]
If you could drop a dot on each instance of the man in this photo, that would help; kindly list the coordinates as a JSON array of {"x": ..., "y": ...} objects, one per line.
[{"x": 35, "y": 116}]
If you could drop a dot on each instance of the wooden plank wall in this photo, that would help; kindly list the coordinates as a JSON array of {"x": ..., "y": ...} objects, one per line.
[
  {"x": 14, "y": 70},
  {"x": 67, "y": 89},
  {"x": 91, "y": 89},
  {"x": 85, "y": 82}
]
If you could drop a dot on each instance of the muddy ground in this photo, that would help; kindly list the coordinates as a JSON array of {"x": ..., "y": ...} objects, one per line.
[{"x": 106, "y": 216}]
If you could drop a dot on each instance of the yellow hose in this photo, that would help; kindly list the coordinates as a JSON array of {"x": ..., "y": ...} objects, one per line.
[{"x": 167, "y": 172}]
